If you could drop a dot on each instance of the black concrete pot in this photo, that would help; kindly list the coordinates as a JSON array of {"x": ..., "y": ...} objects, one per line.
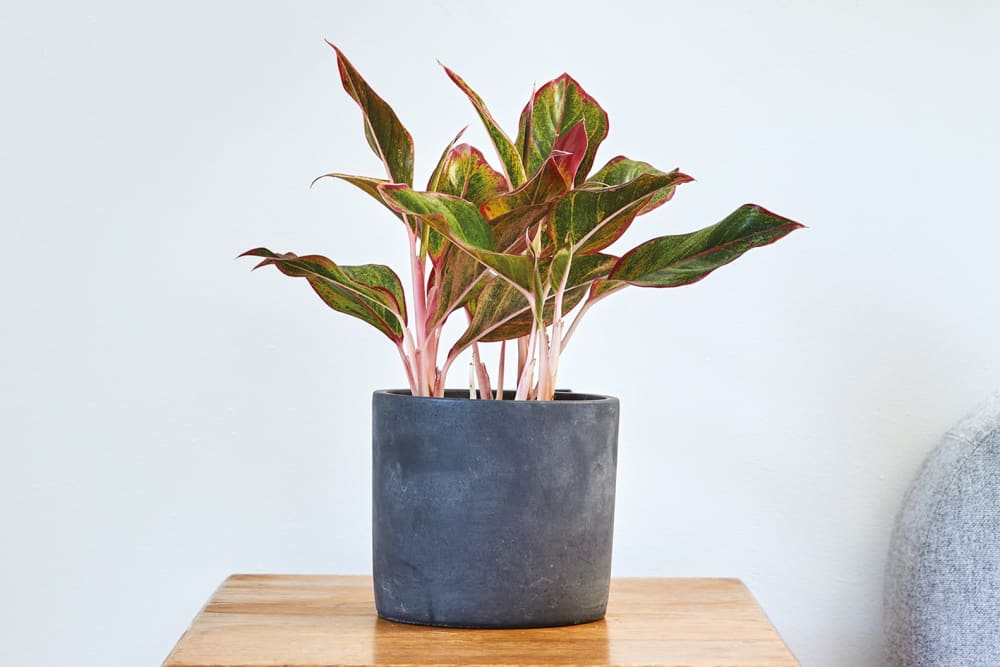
[{"x": 493, "y": 514}]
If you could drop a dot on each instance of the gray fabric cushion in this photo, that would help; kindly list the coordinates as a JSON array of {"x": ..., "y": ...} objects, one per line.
[{"x": 942, "y": 594}]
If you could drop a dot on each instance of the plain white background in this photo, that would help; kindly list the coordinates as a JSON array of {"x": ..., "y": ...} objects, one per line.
[{"x": 169, "y": 418}]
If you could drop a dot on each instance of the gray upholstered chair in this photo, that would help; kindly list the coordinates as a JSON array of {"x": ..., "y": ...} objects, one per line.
[{"x": 942, "y": 593}]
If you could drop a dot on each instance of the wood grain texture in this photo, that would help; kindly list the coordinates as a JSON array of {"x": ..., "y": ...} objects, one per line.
[{"x": 323, "y": 621}]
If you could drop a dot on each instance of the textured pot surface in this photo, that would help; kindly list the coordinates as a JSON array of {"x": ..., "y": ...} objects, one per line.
[{"x": 493, "y": 513}]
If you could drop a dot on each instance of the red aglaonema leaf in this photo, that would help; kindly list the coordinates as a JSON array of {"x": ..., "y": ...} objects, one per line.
[
  {"x": 555, "y": 108},
  {"x": 436, "y": 174},
  {"x": 457, "y": 276},
  {"x": 570, "y": 150},
  {"x": 672, "y": 261},
  {"x": 453, "y": 280},
  {"x": 504, "y": 146},
  {"x": 370, "y": 292},
  {"x": 511, "y": 228},
  {"x": 466, "y": 174},
  {"x": 620, "y": 170},
  {"x": 546, "y": 185},
  {"x": 462, "y": 224},
  {"x": 590, "y": 220},
  {"x": 386, "y": 135}
]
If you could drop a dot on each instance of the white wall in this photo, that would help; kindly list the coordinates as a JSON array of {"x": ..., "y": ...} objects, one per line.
[{"x": 169, "y": 417}]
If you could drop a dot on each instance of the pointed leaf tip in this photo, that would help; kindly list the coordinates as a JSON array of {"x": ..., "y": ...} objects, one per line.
[
  {"x": 791, "y": 224},
  {"x": 257, "y": 252},
  {"x": 510, "y": 159},
  {"x": 673, "y": 261},
  {"x": 386, "y": 135}
]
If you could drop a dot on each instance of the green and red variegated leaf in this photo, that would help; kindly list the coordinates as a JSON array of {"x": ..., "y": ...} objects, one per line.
[
  {"x": 455, "y": 278},
  {"x": 344, "y": 301},
  {"x": 460, "y": 217},
  {"x": 365, "y": 184},
  {"x": 431, "y": 242},
  {"x": 508, "y": 154},
  {"x": 436, "y": 174},
  {"x": 371, "y": 292},
  {"x": 511, "y": 229},
  {"x": 555, "y": 108},
  {"x": 466, "y": 174},
  {"x": 547, "y": 184},
  {"x": 672, "y": 261},
  {"x": 497, "y": 303},
  {"x": 591, "y": 220},
  {"x": 390, "y": 141},
  {"x": 462, "y": 275},
  {"x": 559, "y": 267},
  {"x": 501, "y": 312},
  {"x": 520, "y": 324},
  {"x": 462, "y": 224},
  {"x": 620, "y": 170}
]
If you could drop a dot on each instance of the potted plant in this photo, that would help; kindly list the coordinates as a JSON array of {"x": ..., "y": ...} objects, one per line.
[{"x": 498, "y": 512}]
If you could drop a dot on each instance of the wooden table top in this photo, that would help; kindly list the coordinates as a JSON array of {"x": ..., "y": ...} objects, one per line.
[{"x": 320, "y": 621}]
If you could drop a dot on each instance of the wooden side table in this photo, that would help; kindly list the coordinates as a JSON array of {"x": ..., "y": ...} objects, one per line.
[{"x": 321, "y": 621}]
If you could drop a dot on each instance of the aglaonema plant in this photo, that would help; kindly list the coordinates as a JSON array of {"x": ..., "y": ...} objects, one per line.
[{"x": 523, "y": 251}]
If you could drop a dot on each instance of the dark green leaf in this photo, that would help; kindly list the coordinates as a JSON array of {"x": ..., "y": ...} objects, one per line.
[
  {"x": 386, "y": 135},
  {"x": 504, "y": 146},
  {"x": 672, "y": 261},
  {"x": 555, "y": 108}
]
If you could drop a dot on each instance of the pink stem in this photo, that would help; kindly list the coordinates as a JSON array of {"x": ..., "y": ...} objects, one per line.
[
  {"x": 419, "y": 295},
  {"x": 430, "y": 358},
  {"x": 500, "y": 371},
  {"x": 555, "y": 349},
  {"x": 480, "y": 368},
  {"x": 524, "y": 381},
  {"x": 481, "y": 374},
  {"x": 409, "y": 371},
  {"x": 544, "y": 379},
  {"x": 522, "y": 354},
  {"x": 444, "y": 372}
]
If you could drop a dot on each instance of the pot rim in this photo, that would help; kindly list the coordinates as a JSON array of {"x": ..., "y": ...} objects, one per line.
[{"x": 462, "y": 396}]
